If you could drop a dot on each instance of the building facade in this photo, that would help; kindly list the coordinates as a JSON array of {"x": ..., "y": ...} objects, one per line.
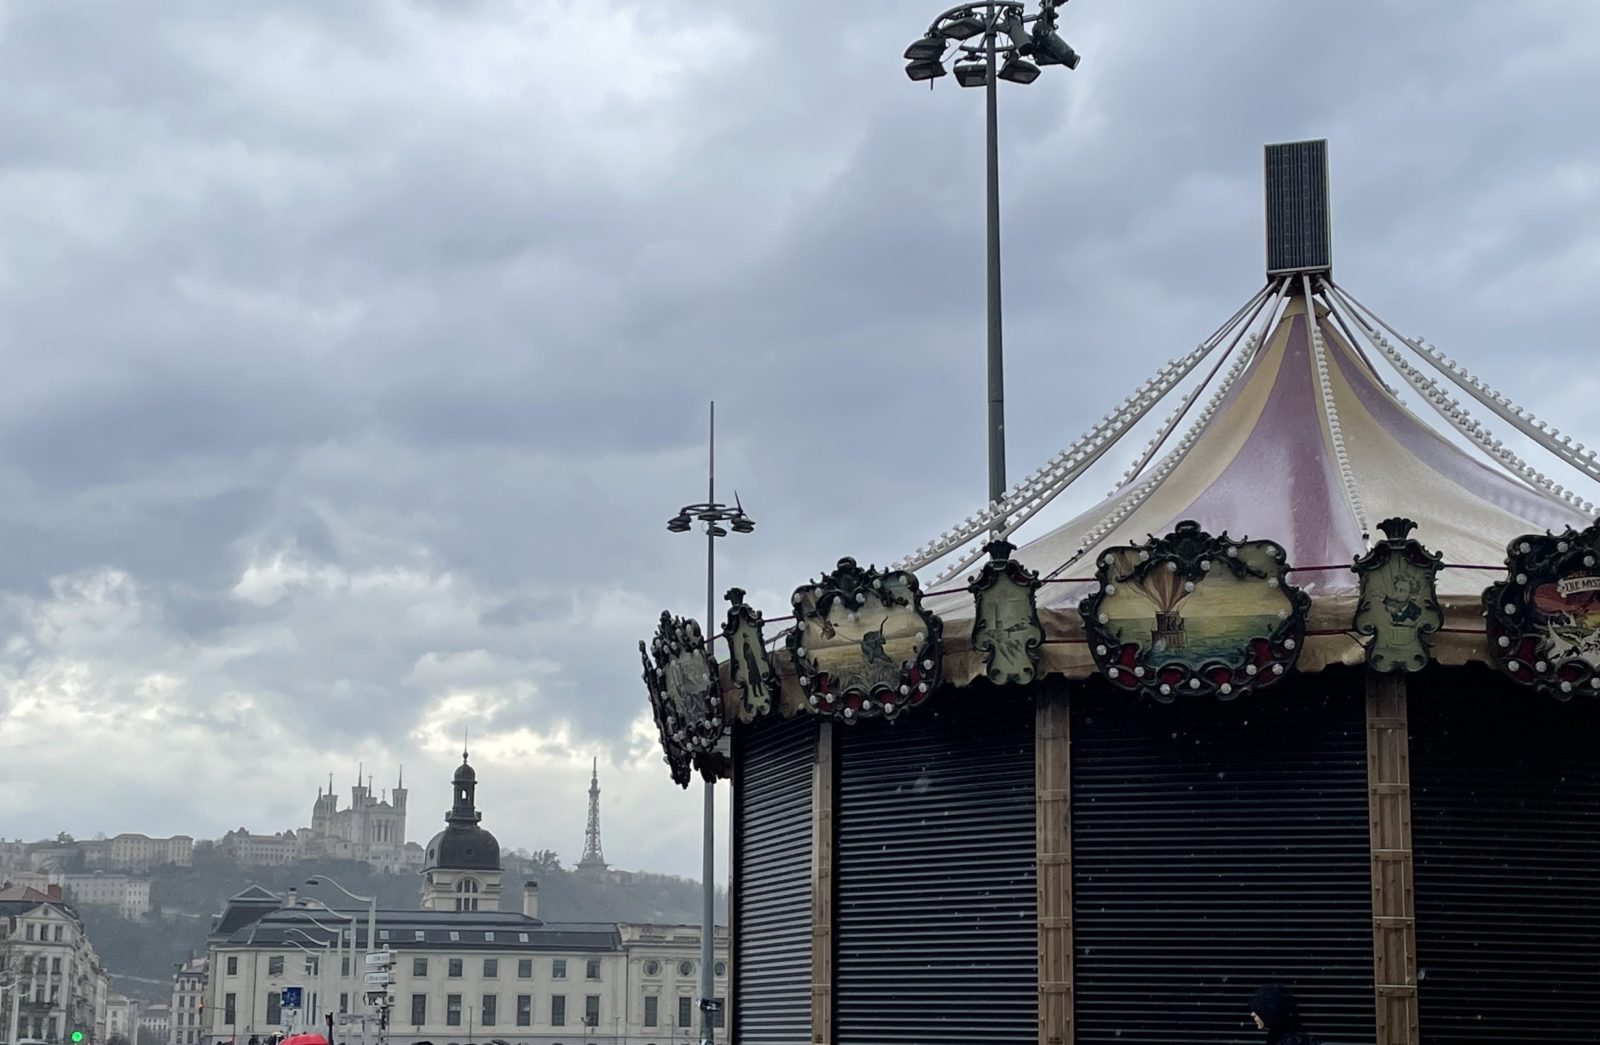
[
  {"x": 156, "y": 1021},
  {"x": 372, "y": 830},
  {"x": 129, "y": 894},
  {"x": 62, "y": 987},
  {"x": 462, "y": 969},
  {"x": 186, "y": 1021},
  {"x": 122, "y": 1017},
  {"x": 252, "y": 850},
  {"x": 138, "y": 853}
]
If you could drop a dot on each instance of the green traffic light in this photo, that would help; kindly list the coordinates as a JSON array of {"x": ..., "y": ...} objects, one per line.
[{"x": 76, "y": 1037}]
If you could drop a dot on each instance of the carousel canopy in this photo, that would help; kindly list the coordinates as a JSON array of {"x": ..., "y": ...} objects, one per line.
[{"x": 1289, "y": 429}]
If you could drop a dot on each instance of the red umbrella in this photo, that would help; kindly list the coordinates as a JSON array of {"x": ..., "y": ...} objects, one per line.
[{"x": 305, "y": 1039}]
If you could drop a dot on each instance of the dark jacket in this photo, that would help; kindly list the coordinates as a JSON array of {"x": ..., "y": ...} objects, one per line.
[{"x": 1281, "y": 1013}]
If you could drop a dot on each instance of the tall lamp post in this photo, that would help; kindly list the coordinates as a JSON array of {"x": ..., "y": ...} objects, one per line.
[
  {"x": 339, "y": 957},
  {"x": 372, "y": 935},
  {"x": 1005, "y": 39},
  {"x": 711, "y": 514}
]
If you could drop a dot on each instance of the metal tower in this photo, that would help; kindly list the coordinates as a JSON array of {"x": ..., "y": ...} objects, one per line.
[{"x": 594, "y": 861}]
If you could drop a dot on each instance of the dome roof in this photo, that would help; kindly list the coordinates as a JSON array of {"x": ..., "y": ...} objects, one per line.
[{"x": 462, "y": 847}]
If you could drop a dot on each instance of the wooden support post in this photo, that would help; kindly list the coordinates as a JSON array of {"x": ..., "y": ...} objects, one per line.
[
  {"x": 1053, "y": 836},
  {"x": 1394, "y": 937},
  {"x": 823, "y": 776}
]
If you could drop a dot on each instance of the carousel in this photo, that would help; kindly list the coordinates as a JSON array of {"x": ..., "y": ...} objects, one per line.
[{"x": 1310, "y": 697}]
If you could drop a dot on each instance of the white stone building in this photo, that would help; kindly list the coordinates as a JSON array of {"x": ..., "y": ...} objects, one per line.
[
  {"x": 130, "y": 894},
  {"x": 463, "y": 969},
  {"x": 372, "y": 829},
  {"x": 156, "y": 1019},
  {"x": 137, "y": 853},
  {"x": 186, "y": 1019},
  {"x": 43, "y": 943},
  {"x": 122, "y": 1017}
]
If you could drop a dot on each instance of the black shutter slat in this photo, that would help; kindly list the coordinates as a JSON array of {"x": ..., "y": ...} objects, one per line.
[
  {"x": 1216, "y": 847},
  {"x": 936, "y": 926},
  {"x": 772, "y": 880},
  {"x": 1505, "y": 793}
]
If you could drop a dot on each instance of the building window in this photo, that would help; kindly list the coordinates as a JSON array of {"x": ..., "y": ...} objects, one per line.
[
  {"x": 491, "y": 1007},
  {"x": 311, "y": 965},
  {"x": 558, "y": 969},
  {"x": 344, "y": 1001},
  {"x": 55, "y": 966},
  {"x": 683, "y": 1011},
  {"x": 718, "y": 1018},
  {"x": 274, "y": 1009},
  {"x": 419, "y": 1009},
  {"x": 591, "y": 1011},
  {"x": 344, "y": 963},
  {"x": 488, "y": 937},
  {"x": 30, "y": 930},
  {"x": 233, "y": 965},
  {"x": 652, "y": 1007},
  {"x": 419, "y": 967},
  {"x": 558, "y": 1010},
  {"x": 491, "y": 968},
  {"x": 524, "y": 968},
  {"x": 229, "y": 1009},
  {"x": 524, "y": 1010},
  {"x": 452, "y": 1010},
  {"x": 275, "y": 968},
  {"x": 454, "y": 969},
  {"x": 591, "y": 968},
  {"x": 58, "y": 934},
  {"x": 686, "y": 968},
  {"x": 652, "y": 968}
]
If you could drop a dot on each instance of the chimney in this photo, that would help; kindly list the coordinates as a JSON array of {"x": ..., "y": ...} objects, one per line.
[
  {"x": 530, "y": 899},
  {"x": 292, "y": 897},
  {"x": 53, "y": 891}
]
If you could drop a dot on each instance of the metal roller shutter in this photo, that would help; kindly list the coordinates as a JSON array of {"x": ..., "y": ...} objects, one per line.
[
  {"x": 772, "y": 880},
  {"x": 1216, "y": 847},
  {"x": 937, "y": 940},
  {"x": 1505, "y": 795}
]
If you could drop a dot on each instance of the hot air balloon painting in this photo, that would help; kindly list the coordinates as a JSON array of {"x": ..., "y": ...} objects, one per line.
[
  {"x": 1194, "y": 613},
  {"x": 862, "y": 644}
]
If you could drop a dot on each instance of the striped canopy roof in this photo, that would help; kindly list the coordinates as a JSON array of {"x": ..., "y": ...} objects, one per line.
[{"x": 1269, "y": 465}]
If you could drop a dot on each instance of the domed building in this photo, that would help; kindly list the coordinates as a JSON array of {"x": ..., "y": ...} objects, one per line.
[
  {"x": 461, "y": 867},
  {"x": 1310, "y": 697}
]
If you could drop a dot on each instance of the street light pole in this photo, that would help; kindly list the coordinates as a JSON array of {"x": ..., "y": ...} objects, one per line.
[
  {"x": 976, "y": 64},
  {"x": 339, "y": 950},
  {"x": 372, "y": 939},
  {"x": 713, "y": 514},
  {"x": 996, "y": 351}
]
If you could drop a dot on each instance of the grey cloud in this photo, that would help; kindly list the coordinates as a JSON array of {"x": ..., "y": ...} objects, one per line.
[{"x": 423, "y": 301}]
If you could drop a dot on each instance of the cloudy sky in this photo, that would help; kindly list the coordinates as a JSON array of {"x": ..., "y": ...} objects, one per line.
[{"x": 355, "y": 353}]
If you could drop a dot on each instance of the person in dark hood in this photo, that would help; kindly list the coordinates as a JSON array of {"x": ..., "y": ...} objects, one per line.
[{"x": 1276, "y": 1012}]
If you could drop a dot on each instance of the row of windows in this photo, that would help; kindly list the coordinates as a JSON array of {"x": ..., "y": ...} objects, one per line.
[
  {"x": 44, "y": 934},
  {"x": 456, "y": 967},
  {"x": 489, "y": 1010},
  {"x": 32, "y": 964}
]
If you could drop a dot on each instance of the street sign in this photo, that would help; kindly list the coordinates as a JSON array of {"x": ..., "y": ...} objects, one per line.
[
  {"x": 380, "y": 958},
  {"x": 291, "y": 997},
  {"x": 382, "y": 978}
]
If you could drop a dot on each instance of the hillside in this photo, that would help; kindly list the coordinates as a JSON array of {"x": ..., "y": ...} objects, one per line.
[{"x": 141, "y": 955}]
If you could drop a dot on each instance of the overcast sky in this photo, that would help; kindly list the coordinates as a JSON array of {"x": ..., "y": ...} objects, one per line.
[{"x": 352, "y": 355}]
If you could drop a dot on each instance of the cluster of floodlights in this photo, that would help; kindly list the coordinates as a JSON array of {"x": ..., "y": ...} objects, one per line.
[
  {"x": 1032, "y": 37},
  {"x": 713, "y": 515}
]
